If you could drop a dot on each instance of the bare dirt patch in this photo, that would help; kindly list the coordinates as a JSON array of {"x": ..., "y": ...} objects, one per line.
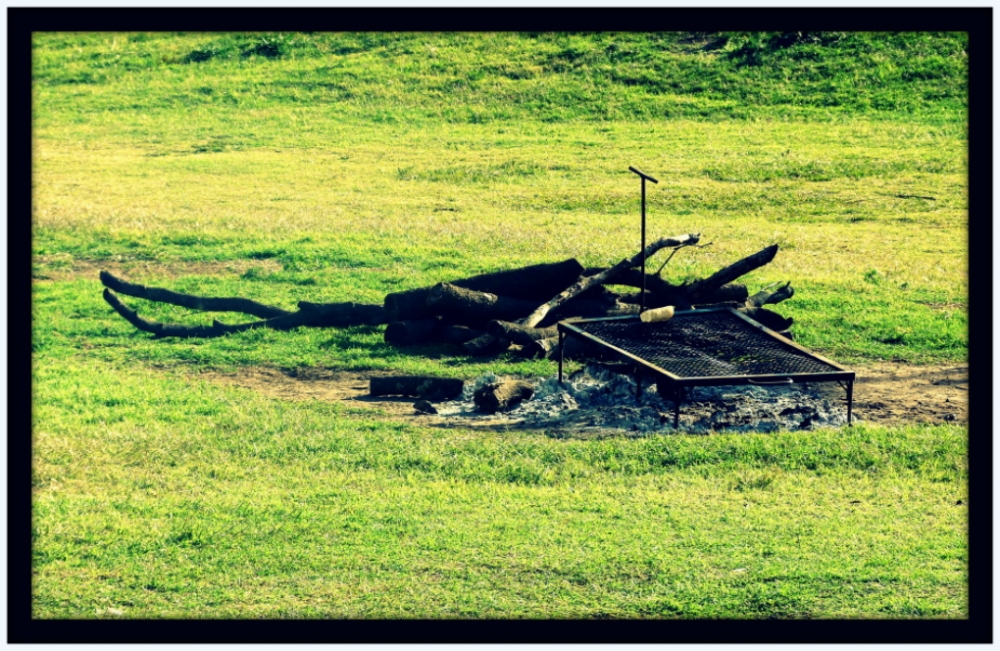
[
  {"x": 904, "y": 393},
  {"x": 887, "y": 393},
  {"x": 65, "y": 267},
  {"x": 347, "y": 388}
]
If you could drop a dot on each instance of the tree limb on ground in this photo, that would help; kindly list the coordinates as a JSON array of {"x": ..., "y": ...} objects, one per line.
[{"x": 204, "y": 303}]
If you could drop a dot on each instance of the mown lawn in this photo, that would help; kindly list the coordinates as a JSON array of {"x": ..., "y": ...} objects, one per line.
[{"x": 339, "y": 167}]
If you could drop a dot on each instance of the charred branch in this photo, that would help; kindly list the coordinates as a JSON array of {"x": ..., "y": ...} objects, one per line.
[
  {"x": 698, "y": 290},
  {"x": 157, "y": 329},
  {"x": 343, "y": 315},
  {"x": 204, "y": 303},
  {"x": 768, "y": 295}
]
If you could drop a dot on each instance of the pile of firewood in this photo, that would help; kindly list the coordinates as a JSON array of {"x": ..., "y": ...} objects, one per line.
[{"x": 490, "y": 313}]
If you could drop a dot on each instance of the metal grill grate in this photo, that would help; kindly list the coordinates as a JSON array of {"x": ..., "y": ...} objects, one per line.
[
  {"x": 709, "y": 344},
  {"x": 712, "y": 347}
]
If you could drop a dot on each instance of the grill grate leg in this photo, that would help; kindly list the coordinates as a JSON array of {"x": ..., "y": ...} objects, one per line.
[
  {"x": 850, "y": 400},
  {"x": 562, "y": 338}
]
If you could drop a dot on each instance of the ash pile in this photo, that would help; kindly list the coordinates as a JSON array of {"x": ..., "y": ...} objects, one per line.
[{"x": 599, "y": 397}]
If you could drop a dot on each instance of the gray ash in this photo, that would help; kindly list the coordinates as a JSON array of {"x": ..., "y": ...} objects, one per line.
[{"x": 597, "y": 398}]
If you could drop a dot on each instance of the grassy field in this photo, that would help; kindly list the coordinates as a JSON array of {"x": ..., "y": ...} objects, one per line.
[{"x": 336, "y": 167}]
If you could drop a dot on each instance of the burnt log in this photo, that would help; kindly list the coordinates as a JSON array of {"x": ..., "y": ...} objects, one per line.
[
  {"x": 472, "y": 303},
  {"x": 502, "y": 396},
  {"x": 417, "y": 386},
  {"x": 541, "y": 348},
  {"x": 534, "y": 283},
  {"x": 414, "y": 331},
  {"x": 458, "y": 303},
  {"x": 287, "y": 322}
]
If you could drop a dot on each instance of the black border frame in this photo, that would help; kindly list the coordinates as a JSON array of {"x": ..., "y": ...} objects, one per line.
[{"x": 976, "y": 21}]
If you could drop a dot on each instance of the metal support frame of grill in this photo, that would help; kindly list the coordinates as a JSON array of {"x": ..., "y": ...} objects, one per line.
[{"x": 709, "y": 347}]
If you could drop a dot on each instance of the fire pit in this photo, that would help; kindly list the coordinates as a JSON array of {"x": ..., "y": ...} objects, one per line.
[{"x": 708, "y": 347}]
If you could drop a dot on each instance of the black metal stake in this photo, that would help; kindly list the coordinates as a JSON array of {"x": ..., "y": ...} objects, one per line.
[{"x": 643, "y": 176}]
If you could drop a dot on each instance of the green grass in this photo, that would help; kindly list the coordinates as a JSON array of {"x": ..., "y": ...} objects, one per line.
[
  {"x": 219, "y": 503},
  {"x": 340, "y": 167},
  {"x": 480, "y": 78}
]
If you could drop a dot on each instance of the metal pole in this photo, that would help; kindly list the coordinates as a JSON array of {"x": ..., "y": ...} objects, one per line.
[
  {"x": 643, "y": 176},
  {"x": 642, "y": 296}
]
